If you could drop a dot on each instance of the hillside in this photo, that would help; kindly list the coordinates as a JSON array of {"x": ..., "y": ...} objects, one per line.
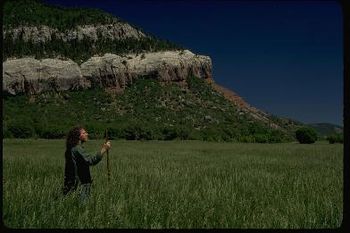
[
  {"x": 325, "y": 129},
  {"x": 146, "y": 110},
  {"x": 94, "y": 69}
]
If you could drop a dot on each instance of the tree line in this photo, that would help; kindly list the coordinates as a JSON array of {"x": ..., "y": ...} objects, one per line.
[
  {"x": 81, "y": 50},
  {"x": 36, "y": 13}
]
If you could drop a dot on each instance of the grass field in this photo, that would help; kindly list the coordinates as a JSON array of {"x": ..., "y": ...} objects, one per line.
[{"x": 178, "y": 184}]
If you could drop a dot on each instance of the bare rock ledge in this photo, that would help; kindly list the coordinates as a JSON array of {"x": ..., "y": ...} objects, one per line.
[{"x": 31, "y": 76}]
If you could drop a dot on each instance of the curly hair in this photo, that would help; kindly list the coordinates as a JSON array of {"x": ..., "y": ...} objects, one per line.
[{"x": 73, "y": 137}]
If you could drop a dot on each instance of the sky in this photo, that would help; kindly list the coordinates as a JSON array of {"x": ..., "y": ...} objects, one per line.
[{"x": 282, "y": 57}]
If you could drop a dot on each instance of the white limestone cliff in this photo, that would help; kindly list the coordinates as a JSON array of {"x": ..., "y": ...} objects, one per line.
[{"x": 31, "y": 76}]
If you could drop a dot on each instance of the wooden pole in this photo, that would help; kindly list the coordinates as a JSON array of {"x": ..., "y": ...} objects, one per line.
[{"x": 108, "y": 167}]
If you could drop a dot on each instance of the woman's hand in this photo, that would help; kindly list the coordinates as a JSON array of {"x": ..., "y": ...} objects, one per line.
[{"x": 105, "y": 147}]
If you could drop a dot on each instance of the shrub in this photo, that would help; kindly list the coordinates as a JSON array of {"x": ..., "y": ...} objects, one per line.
[
  {"x": 146, "y": 134},
  {"x": 20, "y": 130},
  {"x": 6, "y": 133},
  {"x": 131, "y": 132},
  {"x": 183, "y": 133},
  {"x": 136, "y": 132},
  {"x": 306, "y": 135},
  {"x": 335, "y": 138},
  {"x": 277, "y": 137},
  {"x": 53, "y": 133},
  {"x": 246, "y": 138},
  {"x": 169, "y": 133},
  {"x": 211, "y": 134},
  {"x": 261, "y": 138},
  {"x": 96, "y": 133}
]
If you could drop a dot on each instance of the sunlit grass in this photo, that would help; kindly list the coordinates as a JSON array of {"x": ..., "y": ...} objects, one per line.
[{"x": 178, "y": 184}]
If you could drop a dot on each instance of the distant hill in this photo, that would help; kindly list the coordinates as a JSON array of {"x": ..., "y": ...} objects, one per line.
[{"x": 326, "y": 129}]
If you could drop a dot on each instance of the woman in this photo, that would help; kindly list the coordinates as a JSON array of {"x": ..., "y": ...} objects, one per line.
[{"x": 78, "y": 162}]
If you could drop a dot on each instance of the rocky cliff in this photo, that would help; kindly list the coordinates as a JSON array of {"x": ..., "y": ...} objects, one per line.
[
  {"x": 30, "y": 76},
  {"x": 43, "y": 33}
]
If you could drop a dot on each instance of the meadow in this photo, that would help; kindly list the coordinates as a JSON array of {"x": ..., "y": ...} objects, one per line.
[{"x": 177, "y": 184}]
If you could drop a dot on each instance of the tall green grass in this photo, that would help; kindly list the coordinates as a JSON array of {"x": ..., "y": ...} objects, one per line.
[{"x": 178, "y": 184}]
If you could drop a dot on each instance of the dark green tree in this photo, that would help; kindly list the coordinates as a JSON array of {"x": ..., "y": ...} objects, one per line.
[
  {"x": 306, "y": 135},
  {"x": 335, "y": 138}
]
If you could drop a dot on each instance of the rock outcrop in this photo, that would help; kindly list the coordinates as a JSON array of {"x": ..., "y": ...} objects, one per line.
[
  {"x": 43, "y": 33},
  {"x": 31, "y": 76},
  {"x": 170, "y": 66}
]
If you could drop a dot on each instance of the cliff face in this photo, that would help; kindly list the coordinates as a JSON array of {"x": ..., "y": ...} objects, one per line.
[
  {"x": 43, "y": 33},
  {"x": 169, "y": 66},
  {"x": 31, "y": 76}
]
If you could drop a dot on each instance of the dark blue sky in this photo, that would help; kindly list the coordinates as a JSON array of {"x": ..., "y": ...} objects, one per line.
[{"x": 283, "y": 57}]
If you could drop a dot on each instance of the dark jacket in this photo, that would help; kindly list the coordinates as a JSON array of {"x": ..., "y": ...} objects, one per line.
[{"x": 77, "y": 167}]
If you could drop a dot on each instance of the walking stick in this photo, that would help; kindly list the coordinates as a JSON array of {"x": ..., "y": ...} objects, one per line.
[{"x": 108, "y": 168}]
